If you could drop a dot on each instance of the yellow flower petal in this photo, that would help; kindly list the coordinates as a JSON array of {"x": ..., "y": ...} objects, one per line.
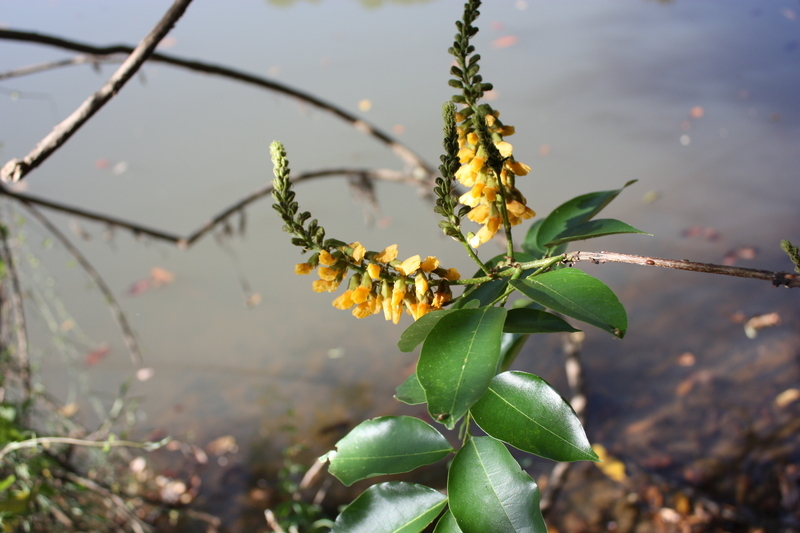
[
  {"x": 328, "y": 274},
  {"x": 409, "y": 266},
  {"x": 325, "y": 258},
  {"x": 360, "y": 295},
  {"x": 374, "y": 271},
  {"x": 479, "y": 213},
  {"x": 358, "y": 251},
  {"x": 303, "y": 269},
  {"x": 465, "y": 155},
  {"x": 504, "y": 148},
  {"x": 362, "y": 310},
  {"x": 322, "y": 285},
  {"x": 344, "y": 301},
  {"x": 421, "y": 285},
  {"x": 472, "y": 138},
  {"x": 452, "y": 274},
  {"x": 388, "y": 254},
  {"x": 520, "y": 169},
  {"x": 430, "y": 264}
]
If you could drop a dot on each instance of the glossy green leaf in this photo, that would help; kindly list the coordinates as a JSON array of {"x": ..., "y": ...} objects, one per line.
[
  {"x": 386, "y": 445},
  {"x": 524, "y": 320},
  {"x": 510, "y": 346},
  {"x": 410, "y": 391},
  {"x": 488, "y": 491},
  {"x": 574, "y": 212},
  {"x": 447, "y": 524},
  {"x": 393, "y": 507},
  {"x": 482, "y": 294},
  {"x": 527, "y": 413},
  {"x": 574, "y": 293},
  {"x": 458, "y": 360},
  {"x": 416, "y": 332},
  {"x": 592, "y": 229},
  {"x": 531, "y": 243}
]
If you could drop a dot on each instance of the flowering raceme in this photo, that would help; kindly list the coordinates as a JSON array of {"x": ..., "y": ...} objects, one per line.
[
  {"x": 380, "y": 281},
  {"x": 484, "y": 195}
]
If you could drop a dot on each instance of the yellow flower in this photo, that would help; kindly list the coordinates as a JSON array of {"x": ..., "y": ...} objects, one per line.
[
  {"x": 520, "y": 169},
  {"x": 504, "y": 148},
  {"x": 303, "y": 269},
  {"x": 430, "y": 264},
  {"x": 421, "y": 285},
  {"x": 374, "y": 271},
  {"x": 361, "y": 294},
  {"x": 409, "y": 266},
  {"x": 388, "y": 254},
  {"x": 325, "y": 258},
  {"x": 362, "y": 310},
  {"x": 452, "y": 274},
  {"x": 344, "y": 301},
  {"x": 328, "y": 274},
  {"x": 358, "y": 251},
  {"x": 322, "y": 285}
]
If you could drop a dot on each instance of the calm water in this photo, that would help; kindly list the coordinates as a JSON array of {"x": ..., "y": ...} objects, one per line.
[{"x": 698, "y": 100}]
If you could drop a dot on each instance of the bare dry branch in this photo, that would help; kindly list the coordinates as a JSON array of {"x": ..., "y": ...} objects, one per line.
[
  {"x": 405, "y": 154},
  {"x": 111, "y": 301},
  {"x": 16, "y": 169},
  {"x": 184, "y": 242},
  {"x": 18, "y": 314},
  {"x": 778, "y": 279}
]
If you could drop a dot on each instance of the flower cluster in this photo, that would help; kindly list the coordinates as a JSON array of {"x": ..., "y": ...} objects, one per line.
[
  {"x": 484, "y": 195},
  {"x": 380, "y": 281}
]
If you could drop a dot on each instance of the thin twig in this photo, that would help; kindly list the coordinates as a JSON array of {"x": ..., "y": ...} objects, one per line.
[
  {"x": 401, "y": 150},
  {"x": 786, "y": 279},
  {"x": 136, "y": 523},
  {"x": 18, "y": 313},
  {"x": 94, "y": 275},
  {"x": 185, "y": 242},
  {"x": 16, "y": 169},
  {"x": 38, "y": 441},
  {"x": 50, "y": 65}
]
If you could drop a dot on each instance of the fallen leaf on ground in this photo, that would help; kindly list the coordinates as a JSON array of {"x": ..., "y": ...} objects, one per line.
[
  {"x": 786, "y": 397},
  {"x": 222, "y": 445},
  {"x": 612, "y": 467},
  {"x": 756, "y": 323},
  {"x": 69, "y": 410}
]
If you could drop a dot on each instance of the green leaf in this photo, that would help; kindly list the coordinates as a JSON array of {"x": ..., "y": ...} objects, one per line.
[
  {"x": 458, "y": 360},
  {"x": 510, "y": 346},
  {"x": 531, "y": 243},
  {"x": 527, "y": 413},
  {"x": 488, "y": 491},
  {"x": 410, "y": 391},
  {"x": 7, "y": 482},
  {"x": 592, "y": 229},
  {"x": 393, "y": 507},
  {"x": 386, "y": 445},
  {"x": 416, "y": 332},
  {"x": 524, "y": 320},
  {"x": 483, "y": 294},
  {"x": 447, "y": 524},
  {"x": 579, "y": 295},
  {"x": 574, "y": 212}
]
